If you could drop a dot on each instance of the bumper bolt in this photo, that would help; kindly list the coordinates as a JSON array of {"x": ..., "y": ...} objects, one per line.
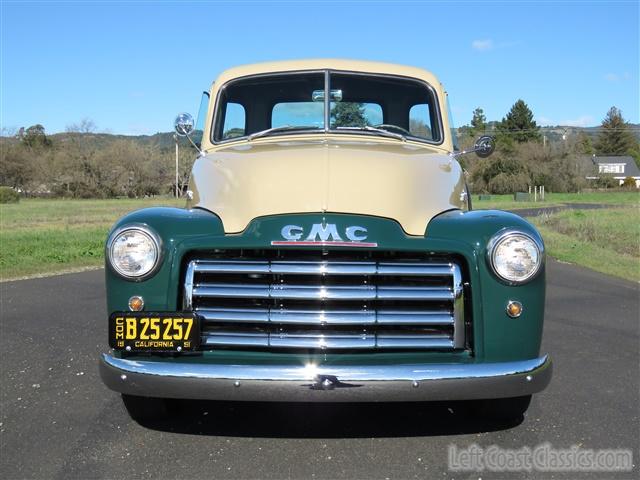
[
  {"x": 128, "y": 348},
  {"x": 123, "y": 377},
  {"x": 415, "y": 384},
  {"x": 236, "y": 384}
]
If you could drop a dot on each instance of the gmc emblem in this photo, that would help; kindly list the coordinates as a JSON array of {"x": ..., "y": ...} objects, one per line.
[{"x": 324, "y": 234}]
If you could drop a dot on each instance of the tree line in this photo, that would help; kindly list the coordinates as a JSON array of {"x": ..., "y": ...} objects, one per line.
[
  {"x": 84, "y": 164},
  {"x": 524, "y": 157}
]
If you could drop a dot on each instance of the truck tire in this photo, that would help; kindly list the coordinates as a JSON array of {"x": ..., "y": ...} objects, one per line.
[
  {"x": 144, "y": 409},
  {"x": 504, "y": 409}
]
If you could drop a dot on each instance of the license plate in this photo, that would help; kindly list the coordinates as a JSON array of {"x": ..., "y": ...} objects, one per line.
[{"x": 154, "y": 331}]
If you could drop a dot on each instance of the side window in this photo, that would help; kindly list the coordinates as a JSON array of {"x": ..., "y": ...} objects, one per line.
[
  {"x": 420, "y": 121},
  {"x": 234, "y": 121}
]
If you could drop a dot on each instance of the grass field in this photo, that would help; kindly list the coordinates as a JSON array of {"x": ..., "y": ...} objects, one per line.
[
  {"x": 506, "y": 202},
  {"x": 605, "y": 240},
  {"x": 44, "y": 236},
  {"x": 48, "y": 236}
]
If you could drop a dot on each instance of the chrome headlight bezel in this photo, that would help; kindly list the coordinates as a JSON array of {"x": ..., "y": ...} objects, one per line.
[
  {"x": 150, "y": 234},
  {"x": 503, "y": 235}
]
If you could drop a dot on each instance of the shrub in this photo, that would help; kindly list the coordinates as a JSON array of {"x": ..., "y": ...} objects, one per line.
[
  {"x": 508, "y": 183},
  {"x": 9, "y": 195},
  {"x": 606, "y": 181},
  {"x": 629, "y": 182}
]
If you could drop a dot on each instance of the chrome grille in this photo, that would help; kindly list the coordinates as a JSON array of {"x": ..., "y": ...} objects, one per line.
[{"x": 322, "y": 301}]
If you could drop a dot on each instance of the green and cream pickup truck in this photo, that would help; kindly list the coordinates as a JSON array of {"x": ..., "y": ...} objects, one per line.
[{"x": 327, "y": 252}]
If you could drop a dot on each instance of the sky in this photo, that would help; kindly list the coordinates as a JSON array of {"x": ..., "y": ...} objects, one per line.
[{"x": 131, "y": 66}]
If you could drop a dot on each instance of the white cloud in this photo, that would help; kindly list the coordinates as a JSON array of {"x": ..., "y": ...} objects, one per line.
[
  {"x": 582, "y": 121},
  {"x": 615, "y": 77},
  {"x": 486, "y": 44},
  {"x": 482, "y": 45}
]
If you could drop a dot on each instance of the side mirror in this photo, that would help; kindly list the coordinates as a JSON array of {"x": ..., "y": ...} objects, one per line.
[
  {"x": 183, "y": 124},
  {"x": 484, "y": 146}
]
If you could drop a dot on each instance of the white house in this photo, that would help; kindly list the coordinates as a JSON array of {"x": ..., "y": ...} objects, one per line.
[{"x": 620, "y": 167}]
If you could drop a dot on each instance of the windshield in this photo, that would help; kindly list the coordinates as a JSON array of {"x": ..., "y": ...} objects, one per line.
[{"x": 277, "y": 104}]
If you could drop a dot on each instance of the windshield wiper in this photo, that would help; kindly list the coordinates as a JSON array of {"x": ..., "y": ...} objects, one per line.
[
  {"x": 379, "y": 131},
  {"x": 283, "y": 128}
]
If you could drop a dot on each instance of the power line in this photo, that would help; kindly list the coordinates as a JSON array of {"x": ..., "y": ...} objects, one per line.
[{"x": 556, "y": 130}]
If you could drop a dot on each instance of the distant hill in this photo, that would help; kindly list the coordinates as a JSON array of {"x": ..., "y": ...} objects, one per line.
[
  {"x": 98, "y": 140},
  {"x": 554, "y": 133},
  {"x": 164, "y": 140}
]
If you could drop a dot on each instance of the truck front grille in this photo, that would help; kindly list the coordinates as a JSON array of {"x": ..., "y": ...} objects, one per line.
[{"x": 326, "y": 301}]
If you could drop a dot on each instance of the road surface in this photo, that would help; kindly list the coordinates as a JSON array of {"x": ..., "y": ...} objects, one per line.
[{"x": 59, "y": 421}]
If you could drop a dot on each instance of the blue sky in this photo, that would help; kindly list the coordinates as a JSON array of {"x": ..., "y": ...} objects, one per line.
[{"x": 131, "y": 66}]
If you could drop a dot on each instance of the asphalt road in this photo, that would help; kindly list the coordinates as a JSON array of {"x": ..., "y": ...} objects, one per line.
[{"x": 59, "y": 421}]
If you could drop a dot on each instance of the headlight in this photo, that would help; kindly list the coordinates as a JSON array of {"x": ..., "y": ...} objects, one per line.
[
  {"x": 514, "y": 256},
  {"x": 134, "y": 251}
]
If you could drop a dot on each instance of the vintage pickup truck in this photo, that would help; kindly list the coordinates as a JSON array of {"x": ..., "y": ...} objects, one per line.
[{"x": 327, "y": 253}]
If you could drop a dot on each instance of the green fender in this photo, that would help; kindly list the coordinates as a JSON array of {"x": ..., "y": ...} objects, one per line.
[{"x": 496, "y": 337}]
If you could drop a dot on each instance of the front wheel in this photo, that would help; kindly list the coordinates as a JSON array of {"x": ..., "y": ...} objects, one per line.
[
  {"x": 144, "y": 409},
  {"x": 503, "y": 408}
]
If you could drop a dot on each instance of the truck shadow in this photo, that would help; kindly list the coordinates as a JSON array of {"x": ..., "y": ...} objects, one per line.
[{"x": 314, "y": 420}]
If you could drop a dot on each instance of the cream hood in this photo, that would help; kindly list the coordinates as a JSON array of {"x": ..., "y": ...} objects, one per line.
[{"x": 406, "y": 182}]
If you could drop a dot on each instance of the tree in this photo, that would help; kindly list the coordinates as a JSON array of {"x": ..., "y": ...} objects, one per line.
[
  {"x": 16, "y": 165},
  {"x": 615, "y": 137},
  {"x": 478, "y": 122},
  {"x": 418, "y": 128},
  {"x": 500, "y": 174},
  {"x": 635, "y": 153},
  {"x": 34, "y": 137},
  {"x": 348, "y": 114},
  {"x": 583, "y": 144},
  {"x": 519, "y": 125},
  {"x": 86, "y": 125}
]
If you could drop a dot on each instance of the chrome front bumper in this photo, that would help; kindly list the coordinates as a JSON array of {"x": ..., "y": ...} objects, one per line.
[{"x": 338, "y": 383}]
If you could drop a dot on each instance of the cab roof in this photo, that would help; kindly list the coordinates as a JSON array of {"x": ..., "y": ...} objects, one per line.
[{"x": 329, "y": 64}]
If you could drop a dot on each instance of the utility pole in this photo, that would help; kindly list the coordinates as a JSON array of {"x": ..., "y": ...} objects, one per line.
[{"x": 175, "y": 138}]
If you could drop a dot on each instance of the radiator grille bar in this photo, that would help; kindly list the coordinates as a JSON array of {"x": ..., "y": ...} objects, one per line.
[{"x": 248, "y": 302}]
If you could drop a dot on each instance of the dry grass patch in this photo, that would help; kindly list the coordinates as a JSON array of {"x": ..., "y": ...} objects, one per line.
[{"x": 605, "y": 240}]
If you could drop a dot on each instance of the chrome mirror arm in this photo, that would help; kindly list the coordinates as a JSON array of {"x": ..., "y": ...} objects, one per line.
[{"x": 200, "y": 151}]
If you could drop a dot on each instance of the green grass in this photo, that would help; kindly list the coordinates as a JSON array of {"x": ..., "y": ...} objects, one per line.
[
  {"x": 47, "y": 236},
  {"x": 44, "y": 236},
  {"x": 607, "y": 240},
  {"x": 506, "y": 202}
]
